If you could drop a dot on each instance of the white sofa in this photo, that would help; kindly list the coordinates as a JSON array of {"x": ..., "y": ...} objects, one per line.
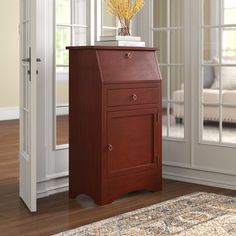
[
  {"x": 210, "y": 113},
  {"x": 211, "y": 96}
]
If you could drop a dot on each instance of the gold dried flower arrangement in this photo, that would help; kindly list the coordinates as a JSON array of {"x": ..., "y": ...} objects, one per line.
[{"x": 124, "y": 10}]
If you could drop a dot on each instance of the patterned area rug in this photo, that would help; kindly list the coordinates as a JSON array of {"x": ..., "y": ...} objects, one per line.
[{"x": 204, "y": 214}]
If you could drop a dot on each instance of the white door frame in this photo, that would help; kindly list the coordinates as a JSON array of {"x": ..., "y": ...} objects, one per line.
[{"x": 28, "y": 103}]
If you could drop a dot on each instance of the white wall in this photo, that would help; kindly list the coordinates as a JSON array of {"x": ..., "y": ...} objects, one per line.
[{"x": 9, "y": 58}]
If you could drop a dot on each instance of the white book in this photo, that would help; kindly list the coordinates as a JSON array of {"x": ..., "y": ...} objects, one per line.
[
  {"x": 120, "y": 43},
  {"x": 120, "y": 38}
]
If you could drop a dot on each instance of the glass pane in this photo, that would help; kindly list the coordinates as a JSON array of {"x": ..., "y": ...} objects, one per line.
[
  {"x": 62, "y": 111},
  {"x": 164, "y": 74},
  {"x": 160, "y": 13},
  {"x": 176, "y": 46},
  {"x": 210, "y": 121},
  {"x": 211, "y": 84},
  {"x": 80, "y": 12},
  {"x": 108, "y": 32},
  {"x": 176, "y": 13},
  {"x": 62, "y": 89},
  {"x": 229, "y": 124},
  {"x": 80, "y": 36},
  {"x": 229, "y": 12},
  {"x": 63, "y": 12},
  {"x": 177, "y": 120},
  {"x": 228, "y": 77},
  {"x": 164, "y": 119},
  {"x": 210, "y": 44},
  {"x": 211, "y": 12},
  {"x": 208, "y": 76},
  {"x": 229, "y": 45},
  {"x": 107, "y": 18},
  {"x": 177, "y": 84},
  {"x": 62, "y": 40},
  {"x": 160, "y": 41}
]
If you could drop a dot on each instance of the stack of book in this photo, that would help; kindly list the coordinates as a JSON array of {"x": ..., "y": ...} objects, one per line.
[{"x": 130, "y": 41}]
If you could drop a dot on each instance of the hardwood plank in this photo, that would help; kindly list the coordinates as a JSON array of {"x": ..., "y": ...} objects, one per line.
[{"x": 57, "y": 213}]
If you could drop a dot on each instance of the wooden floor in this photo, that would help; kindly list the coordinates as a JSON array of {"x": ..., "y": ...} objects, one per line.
[{"x": 58, "y": 213}]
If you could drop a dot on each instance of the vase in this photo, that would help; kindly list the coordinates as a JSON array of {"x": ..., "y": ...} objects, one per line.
[{"x": 124, "y": 31}]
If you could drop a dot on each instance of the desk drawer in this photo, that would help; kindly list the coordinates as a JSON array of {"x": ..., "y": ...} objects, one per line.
[
  {"x": 128, "y": 65},
  {"x": 132, "y": 96}
]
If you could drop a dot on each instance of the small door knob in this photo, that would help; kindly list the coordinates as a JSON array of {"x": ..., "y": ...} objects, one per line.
[
  {"x": 134, "y": 97},
  {"x": 110, "y": 147},
  {"x": 128, "y": 55}
]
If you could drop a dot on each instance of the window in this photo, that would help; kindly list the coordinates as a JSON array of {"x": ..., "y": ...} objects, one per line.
[
  {"x": 109, "y": 22},
  {"x": 168, "y": 33},
  {"x": 229, "y": 34},
  {"x": 218, "y": 107},
  {"x": 72, "y": 27}
]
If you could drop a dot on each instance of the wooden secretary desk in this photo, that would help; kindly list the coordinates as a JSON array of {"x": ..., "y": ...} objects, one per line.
[{"x": 115, "y": 121}]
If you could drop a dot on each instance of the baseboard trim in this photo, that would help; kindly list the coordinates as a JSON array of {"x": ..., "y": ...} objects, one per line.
[
  {"x": 200, "y": 177},
  {"x": 60, "y": 184},
  {"x": 52, "y": 186},
  {"x": 9, "y": 113},
  {"x": 51, "y": 191},
  {"x": 13, "y": 113},
  {"x": 62, "y": 110}
]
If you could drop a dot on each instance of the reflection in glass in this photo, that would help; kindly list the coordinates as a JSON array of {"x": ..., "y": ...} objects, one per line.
[
  {"x": 210, "y": 123},
  {"x": 160, "y": 41},
  {"x": 160, "y": 13}
]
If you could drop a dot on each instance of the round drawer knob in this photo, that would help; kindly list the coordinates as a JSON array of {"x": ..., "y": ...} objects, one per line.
[
  {"x": 134, "y": 97},
  {"x": 128, "y": 55},
  {"x": 110, "y": 147}
]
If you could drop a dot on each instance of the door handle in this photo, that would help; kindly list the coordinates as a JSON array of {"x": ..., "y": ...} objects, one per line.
[
  {"x": 110, "y": 147},
  {"x": 28, "y": 60}
]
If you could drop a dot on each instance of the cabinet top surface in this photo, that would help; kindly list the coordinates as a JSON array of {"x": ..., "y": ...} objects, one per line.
[{"x": 111, "y": 48}]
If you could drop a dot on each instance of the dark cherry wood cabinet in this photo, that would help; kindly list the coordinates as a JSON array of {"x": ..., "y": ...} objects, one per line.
[{"x": 115, "y": 122}]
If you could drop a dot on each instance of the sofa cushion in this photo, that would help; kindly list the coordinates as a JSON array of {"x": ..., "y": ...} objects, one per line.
[
  {"x": 228, "y": 77},
  {"x": 178, "y": 96},
  {"x": 229, "y": 97},
  {"x": 211, "y": 96}
]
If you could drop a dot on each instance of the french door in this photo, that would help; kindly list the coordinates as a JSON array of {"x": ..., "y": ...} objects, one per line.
[
  {"x": 28, "y": 100},
  {"x": 197, "y": 57},
  {"x": 215, "y": 85},
  {"x": 170, "y": 33}
]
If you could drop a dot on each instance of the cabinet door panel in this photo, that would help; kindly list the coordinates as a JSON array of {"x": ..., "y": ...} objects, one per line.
[{"x": 132, "y": 136}]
